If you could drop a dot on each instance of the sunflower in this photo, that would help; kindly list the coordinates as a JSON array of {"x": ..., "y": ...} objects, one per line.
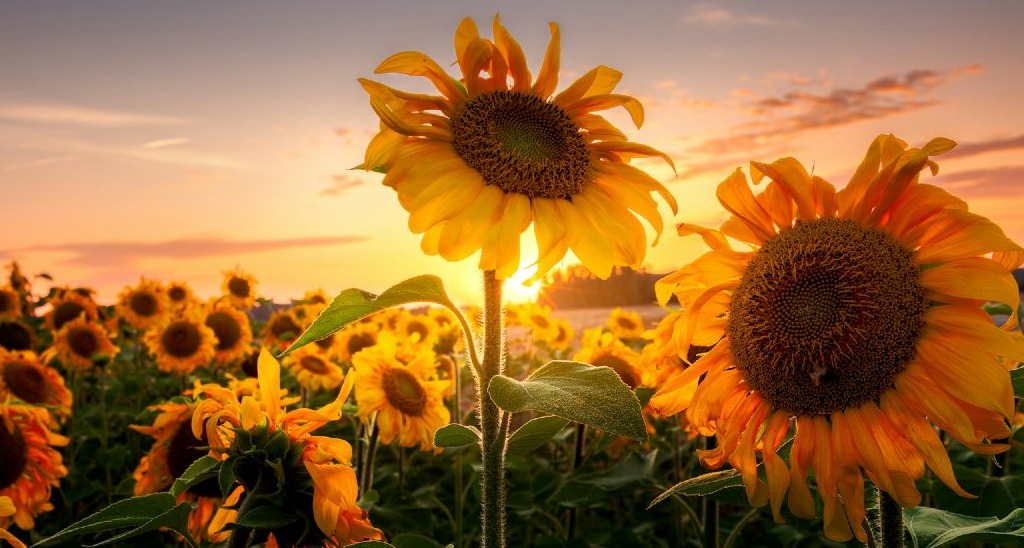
[
  {"x": 625, "y": 324},
  {"x": 16, "y": 335},
  {"x": 314, "y": 370},
  {"x": 324, "y": 466},
  {"x": 416, "y": 329},
  {"x": 10, "y": 304},
  {"x": 601, "y": 348},
  {"x": 355, "y": 338},
  {"x": 68, "y": 305},
  {"x": 316, "y": 297},
  {"x": 31, "y": 466},
  {"x": 25, "y": 377},
  {"x": 475, "y": 166},
  {"x": 81, "y": 345},
  {"x": 232, "y": 331},
  {"x": 407, "y": 406},
  {"x": 144, "y": 305},
  {"x": 179, "y": 294},
  {"x": 239, "y": 288},
  {"x": 182, "y": 342},
  {"x": 281, "y": 329},
  {"x": 564, "y": 336},
  {"x": 858, "y": 313}
]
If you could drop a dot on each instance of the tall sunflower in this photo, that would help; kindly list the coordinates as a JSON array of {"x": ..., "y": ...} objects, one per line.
[
  {"x": 31, "y": 466},
  {"x": 239, "y": 288},
  {"x": 858, "y": 314},
  {"x": 497, "y": 150},
  {"x": 182, "y": 342},
  {"x": 26, "y": 378},
  {"x": 232, "y": 331},
  {"x": 314, "y": 370},
  {"x": 79, "y": 344},
  {"x": 144, "y": 305},
  {"x": 407, "y": 406},
  {"x": 68, "y": 305}
]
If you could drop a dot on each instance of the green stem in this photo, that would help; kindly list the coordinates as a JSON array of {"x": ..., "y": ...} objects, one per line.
[
  {"x": 735, "y": 534},
  {"x": 577, "y": 460},
  {"x": 494, "y": 438},
  {"x": 366, "y": 474},
  {"x": 457, "y": 418},
  {"x": 890, "y": 521},
  {"x": 710, "y": 510},
  {"x": 105, "y": 438}
]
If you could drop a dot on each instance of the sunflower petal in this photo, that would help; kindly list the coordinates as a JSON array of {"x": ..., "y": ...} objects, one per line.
[
  {"x": 513, "y": 52},
  {"x": 598, "y": 81},
  {"x": 414, "y": 63},
  {"x": 547, "y": 78}
]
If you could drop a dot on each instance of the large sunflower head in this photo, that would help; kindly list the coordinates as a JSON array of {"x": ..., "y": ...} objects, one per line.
[
  {"x": 182, "y": 342},
  {"x": 239, "y": 288},
  {"x": 68, "y": 305},
  {"x": 858, "y": 314},
  {"x": 16, "y": 335},
  {"x": 81, "y": 345},
  {"x": 10, "y": 304},
  {"x": 144, "y": 305},
  {"x": 398, "y": 395},
  {"x": 26, "y": 378},
  {"x": 232, "y": 331},
  {"x": 314, "y": 370},
  {"x": 498, "y": 150},
  {"x": 29, "y": 465}
]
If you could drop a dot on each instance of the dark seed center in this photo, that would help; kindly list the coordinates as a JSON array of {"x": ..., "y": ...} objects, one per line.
[
  {"x": 13, "y": 455},
  {"x": 15, "y": 336},
  {"x": 239, "y": 287},
  {"x": 181, "y": 339},
  {"x": 285, "y": 327},
  {"x": 522, "y": 144},
  {"x": 826, "y": 315},
  {"x": 226, "y": 329},
  {"x": 184, "y": 450},
  {"x": 83, "y": 341},
  {"x": 359, "y": 341},
  {"x": 313, "y": 364},
  {"x": 26, "y": 382},
  {"x": 621, "y": 367},
  {"x": 65, "y": 312},
  {"x": 176, "y": 293},
  {"x": 143, "y": 303},
  {"x": 404, "y": 391}
]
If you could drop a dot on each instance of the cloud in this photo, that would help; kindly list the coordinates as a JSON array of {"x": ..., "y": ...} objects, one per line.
[
  {"x": 122, "y": 254},
  {"x": 818, "y": 104},
  {"x": 340, "y": 183},
  {"x": 64, "y": 114},
  {"x": 161, "y": 143},
  {"x": 1000, "y": 182},
  {"x": 982, "y": 147},
  {"x": 712, "y": 14},
  {"x": 39, "y": 162}
]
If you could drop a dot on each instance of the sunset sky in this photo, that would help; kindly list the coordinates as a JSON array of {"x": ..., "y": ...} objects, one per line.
[{"x": 177, "y": 140}]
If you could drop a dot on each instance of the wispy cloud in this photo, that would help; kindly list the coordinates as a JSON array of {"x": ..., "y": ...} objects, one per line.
[
  {"x": 161, "y": 143},
  {"x": 39, "y": 162},
  {"x": 340, "y": 183},
  {"x": 999, "y": 182},
  {"x": 983, "y": 147},
  {"x": 117, "y": 253},
  {"x": 713, "y": 14},
  {"x": 65, "y": 114}
]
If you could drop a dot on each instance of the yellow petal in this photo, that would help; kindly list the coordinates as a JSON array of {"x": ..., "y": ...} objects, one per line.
[
  {"x": 500, "y": 251},
  {"x": 604, "y": 102},
  {"x": 794, "y": 179},
  {"x": 552, "y": 237},
  {"x": 414, "y": 63},
  {"x": 547, "y": 78},
  {"x": 735, "y": 195},
  {"x": 513, "y": 52},
  {"x": 464, "y": 234},
  {"x": 598, "y": 81},
  {"x": 269, "y": 372}
]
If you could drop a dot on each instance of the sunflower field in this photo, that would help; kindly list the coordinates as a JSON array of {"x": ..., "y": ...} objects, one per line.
[{"x": 841, "y": 367}]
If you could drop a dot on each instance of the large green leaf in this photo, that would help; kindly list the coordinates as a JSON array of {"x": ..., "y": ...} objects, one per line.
[
  {"x": 143, "y": 514},
  {"x": 456, "y": 435},
  {"x": 200, "y": 470},
  {"x": 580, "y": 392},
  {"x": 1017, "y": 376},
  {"x": 535, "y": 433},
  {"x": 266, "y": 517},
  {"x": 931, "y": 528},
  {"x": 355, "y": 304},
  {"x": 702, "y": 485}
]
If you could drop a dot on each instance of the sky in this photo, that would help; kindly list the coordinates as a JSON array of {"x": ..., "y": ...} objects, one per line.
[{"x": 178, "y": 140}]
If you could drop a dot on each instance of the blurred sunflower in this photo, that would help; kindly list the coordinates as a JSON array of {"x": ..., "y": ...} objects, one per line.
[
  {"x": 542, "y": 326},
  {"x": 31, "y": 466},
  {"x": 600, "y": 348},
  {"x": 314, "y": 370},
  {"x": 239, "y": 288},
  {"x": 564, "y": 335},
  {"x": 81, "y": 344},
  {"x": 407, "y": 406},
  {"x": 314, "y": 473},
  {"x": 10, "y": 304},
  {"x": 449, "y": 331},
  {"x": 356, "y": 338},
  {"x": 316, "y": 297},
  {"x": 182, "y": 342},
  {"x": 625, "y": 324},
  {"x": 281, "y": 330},
  {"x": 26, "y": 378},
  {"x": 144, "y": 305},
  {"x": 418, "y": 329},
  {"x": 475, "y": 166},
  {"x": 857, "y": 312},
  {"x": 231, "y": 329},
  {"x": 16, "y": 335},
  {"x": 6, "y": 510},
  {"x": 179, "y": 294},
  {"x": 68, "y": 305}
]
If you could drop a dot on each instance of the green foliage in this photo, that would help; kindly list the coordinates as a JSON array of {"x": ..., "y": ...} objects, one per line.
[
  {"x": 702, "y": 485},
  {"x": 199, "y": 471},
  {"x": 932, "y": 528},
  {"x": 456, "y": 435},
  {"x": 534, "y": 433},
  {"x": 141, "y": 514},
  {"x": 580, "y": 392},
  {"x": 1017, "y": 377}
]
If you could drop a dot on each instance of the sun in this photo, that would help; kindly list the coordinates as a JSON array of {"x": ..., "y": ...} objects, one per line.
[{"x": 517, "y": 290}]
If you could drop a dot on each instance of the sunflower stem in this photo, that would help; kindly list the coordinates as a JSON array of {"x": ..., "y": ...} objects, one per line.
[
  {"x": 577, "y": 460},
  {"x": 890, "y": 521},
  {"x": 494, "y": 437},
  {"x": 457, "y": 418},
  {"x": 370, "y": 456},
  {"x": 710, "y": 509}
]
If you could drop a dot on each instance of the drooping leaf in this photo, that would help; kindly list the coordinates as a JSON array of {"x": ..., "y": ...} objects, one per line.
[
  {"x": 580, "y": 392},
  {"x": 534, "y": 434},
  {"x": 932, "y": 528},
  {"x": 702, "y": 485},
  {"x": 143, "y": 513},
  {"x": 456, "y": 435},
  {"x": 200, "y": 470},
  {"x": 355, "y": 304},
  {"x": 175, "y": 519}
]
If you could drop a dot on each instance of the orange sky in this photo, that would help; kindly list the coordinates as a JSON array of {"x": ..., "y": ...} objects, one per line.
[{"x": 178, "y": 141}]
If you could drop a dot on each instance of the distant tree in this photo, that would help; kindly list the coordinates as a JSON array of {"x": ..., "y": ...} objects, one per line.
[{"x": 576, "y": 287}]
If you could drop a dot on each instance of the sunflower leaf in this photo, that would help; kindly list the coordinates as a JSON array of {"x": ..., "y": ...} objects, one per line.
[
  {"x": 580, "y": 392},
  {"x": 702, "y": 485},
  {"x": 138, "y": 512},
  {"x": 352, "y": 305},
  {"x": 932, "y": 528},
  {"x": 265, "y": 517},
  {"x": 175, "y": 519},
  {"x": 371, "y": 544},
  {"x": 456, "y": 435},
  {"x": 198, "y": 471},
  {"x": 1017, "y": 377},
  {"x": 535, "y": 433}
]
